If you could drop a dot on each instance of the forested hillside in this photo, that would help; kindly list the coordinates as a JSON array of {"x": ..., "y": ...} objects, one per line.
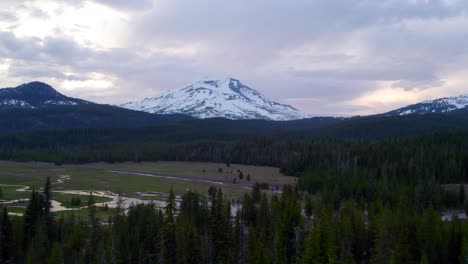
[
  {"x": 95, "y": 119},
  {"x": 78, "y": 116},
  {"x": 359, "y": 199}
]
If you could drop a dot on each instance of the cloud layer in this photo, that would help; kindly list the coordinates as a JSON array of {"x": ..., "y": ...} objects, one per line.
[{"x": 324, "y": 57}]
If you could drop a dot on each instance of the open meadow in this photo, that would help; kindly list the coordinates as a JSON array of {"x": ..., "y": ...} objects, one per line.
[{"x": 143, "y": 182}]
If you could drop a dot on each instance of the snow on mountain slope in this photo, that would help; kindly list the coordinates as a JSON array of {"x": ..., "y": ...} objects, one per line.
[
  {"x": 208, "y": 98},
  {"x": 441, "y": 105}
]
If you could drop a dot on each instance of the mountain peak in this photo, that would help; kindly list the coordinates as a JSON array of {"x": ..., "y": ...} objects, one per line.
[
  {"x": 203, "y": 82},
  {"x": 38, "y": 87},
  {"x": 36, "y": 84},
  {"x": 34, "y": 95},
  {"x": 208, "y": 98}
]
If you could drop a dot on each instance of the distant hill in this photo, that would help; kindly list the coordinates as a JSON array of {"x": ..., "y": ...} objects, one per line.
[
  {"x": 35, "y": 95},
  {"x": 442, "y": 105},
  {"x": 382, "y": 126},
  {"x": 79, "y": 116},
  {"x": 37, "y": 105}
]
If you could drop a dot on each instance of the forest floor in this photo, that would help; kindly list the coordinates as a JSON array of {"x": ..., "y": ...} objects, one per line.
[{"x": 146, "y": 182}]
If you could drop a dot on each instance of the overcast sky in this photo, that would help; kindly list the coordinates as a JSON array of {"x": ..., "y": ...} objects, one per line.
[{"x": 327, "y": 57}]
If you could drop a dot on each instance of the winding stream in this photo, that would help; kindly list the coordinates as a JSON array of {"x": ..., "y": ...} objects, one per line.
[{"x": 125, "y": 202}]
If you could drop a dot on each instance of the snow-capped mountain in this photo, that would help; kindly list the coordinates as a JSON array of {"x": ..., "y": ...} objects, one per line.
[
  {"x": 34, "y": 95},
  {"x": 441, "y": 105},
  {"x": 209, "y": 98}
]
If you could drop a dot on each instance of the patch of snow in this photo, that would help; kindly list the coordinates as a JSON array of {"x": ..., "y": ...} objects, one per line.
[
  {"x": 14, "y": 102},
  {"x": 60, "y": 102},
  {"x": 407, "y": 112}
]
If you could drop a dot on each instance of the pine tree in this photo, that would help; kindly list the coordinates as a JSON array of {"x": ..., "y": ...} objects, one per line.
[
  {"x": 188, "y": 243},
  {"x": 169, "y": 231},
  {"x": 345, "y": 243},
  {"x": 256, "y": 250},
  {"x": 212, "y": 195},
  {"x": 91, "y": 251},
  {"x": 237, "y": 238},
  {"x": 220, "y": 230},
  {"x": 424, "y": 259},
  {"x": 455, "y": 241},
  {"x": 465, "y": 207},
  {"x": 464, "y": 245},
  {"x": 381, "y": 252},
  {"x": 37, "y": 250},
  {"x": 256, "y": 193},
  {"x": 34, "y": 211},
  {"x": 248, "y": 209},
  {"x": 275, "y": 224},
  {"x": 429, "y": 235},
  {"x": 264, "y": 220},
  {"x": 60, "y": 230},
  {"x": 6, "y": 237},
  {"x": 290, "y": 225},
  {"x": 311, "y": 253},
  {"x": 75, "y": 241},
  {"x": 326, "y": 238},
  {"x": 112, "y": 253},
  {"x": 308, "y": 207},
  {"x": 320, "y": 245},
  {"x": 49, "y": 216},
  {"x": 56, "y": 255},
  {"x": 401, "y": 252},
  {"x": 461, "y": 194}
]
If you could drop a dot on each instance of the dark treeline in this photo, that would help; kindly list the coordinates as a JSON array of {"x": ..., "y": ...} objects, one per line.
[
  {"x": 443, "y": 156},
  {"x": 293, "y": 227}
]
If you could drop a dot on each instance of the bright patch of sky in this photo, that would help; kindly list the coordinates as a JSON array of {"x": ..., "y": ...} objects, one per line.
[{"x": 89, "y": 24}]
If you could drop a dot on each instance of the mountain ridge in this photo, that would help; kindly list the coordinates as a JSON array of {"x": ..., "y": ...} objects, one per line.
[
  {"x": 440, "y": 105},
  {"x": 207, "y": 98}
]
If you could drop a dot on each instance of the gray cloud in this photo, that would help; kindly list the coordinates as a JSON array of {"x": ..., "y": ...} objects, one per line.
[
  {"x": 240, "y": 35},
  {"x": 7, "y": 16},
  {"x": 331, "y": 51}
]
